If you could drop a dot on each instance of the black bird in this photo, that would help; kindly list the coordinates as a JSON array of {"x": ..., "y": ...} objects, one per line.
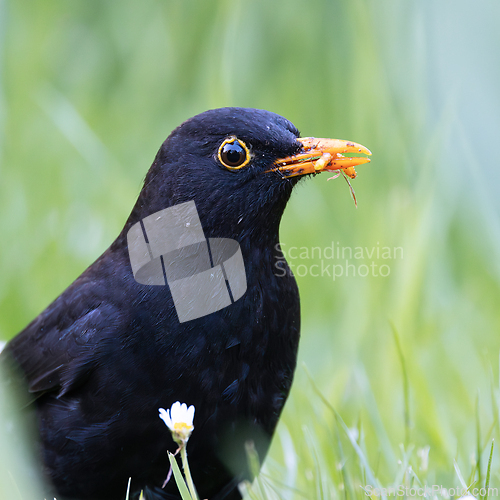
[{"x": 110, "y": 351}]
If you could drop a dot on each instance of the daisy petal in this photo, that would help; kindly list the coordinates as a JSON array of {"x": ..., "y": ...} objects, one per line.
[
  {"x": 190, "y": 415},
  {"x": 165, "y": 416}
]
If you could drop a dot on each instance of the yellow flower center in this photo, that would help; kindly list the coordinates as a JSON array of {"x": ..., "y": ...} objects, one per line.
[{"x": 182, "y": 427}]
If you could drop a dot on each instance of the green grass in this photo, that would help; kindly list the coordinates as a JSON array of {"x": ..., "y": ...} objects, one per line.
[{"x": 89, "y": 90}]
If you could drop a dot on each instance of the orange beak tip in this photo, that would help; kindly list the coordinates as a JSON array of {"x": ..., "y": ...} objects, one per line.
[{"x": 323, "y": 155}]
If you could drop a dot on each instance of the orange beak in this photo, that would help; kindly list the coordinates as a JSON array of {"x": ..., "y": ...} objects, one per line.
[{"x": 322, "y": 155}]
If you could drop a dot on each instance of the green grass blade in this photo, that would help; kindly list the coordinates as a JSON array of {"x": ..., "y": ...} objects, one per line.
[
  {"x": 460, "y": 476},
  {"x": 179, "y": 478},
  {"x": 488, "y": 472},
  {"x": 478, "y": 441},
  {"x": 359, "y": 452},
  {"x": 406, "y": 385},
  {"x": 127, "y": 496}
]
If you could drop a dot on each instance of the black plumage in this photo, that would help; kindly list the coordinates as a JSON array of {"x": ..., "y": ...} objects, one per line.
[{"x": 108, "y": 352}]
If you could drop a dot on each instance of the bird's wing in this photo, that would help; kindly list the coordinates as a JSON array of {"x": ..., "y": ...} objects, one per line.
[{"x": 57, "y": 351}]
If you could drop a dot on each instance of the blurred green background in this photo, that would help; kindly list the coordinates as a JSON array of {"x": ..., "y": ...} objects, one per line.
[{"x": 88, "y": 92}]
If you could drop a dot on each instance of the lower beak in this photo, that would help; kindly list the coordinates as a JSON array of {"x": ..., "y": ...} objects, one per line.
[{"x": 322, "y": 155}]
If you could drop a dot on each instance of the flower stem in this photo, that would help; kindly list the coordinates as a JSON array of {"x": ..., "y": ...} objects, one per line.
[{"x": 187, "y": 472}]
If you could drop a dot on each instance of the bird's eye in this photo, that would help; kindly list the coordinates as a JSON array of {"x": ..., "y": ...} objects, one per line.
[{"x": 233, "y": 153}]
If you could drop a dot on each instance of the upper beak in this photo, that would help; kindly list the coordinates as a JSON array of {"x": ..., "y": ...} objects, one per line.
[{"x": 323, "y": 155}]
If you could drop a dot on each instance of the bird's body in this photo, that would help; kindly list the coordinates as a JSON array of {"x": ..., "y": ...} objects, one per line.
[
  {"x": 106, "y": 354},
  {"x": 100, "y": 424}
]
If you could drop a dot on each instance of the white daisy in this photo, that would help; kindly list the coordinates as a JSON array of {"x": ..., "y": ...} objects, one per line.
[{"x": 179, "y": 419}]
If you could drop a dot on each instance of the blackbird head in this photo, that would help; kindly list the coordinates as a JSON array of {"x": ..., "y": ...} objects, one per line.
[{"x": 239, "y": 165}]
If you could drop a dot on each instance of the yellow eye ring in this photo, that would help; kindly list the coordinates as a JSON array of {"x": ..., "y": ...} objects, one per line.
[{"x": 234, "y": 153}]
